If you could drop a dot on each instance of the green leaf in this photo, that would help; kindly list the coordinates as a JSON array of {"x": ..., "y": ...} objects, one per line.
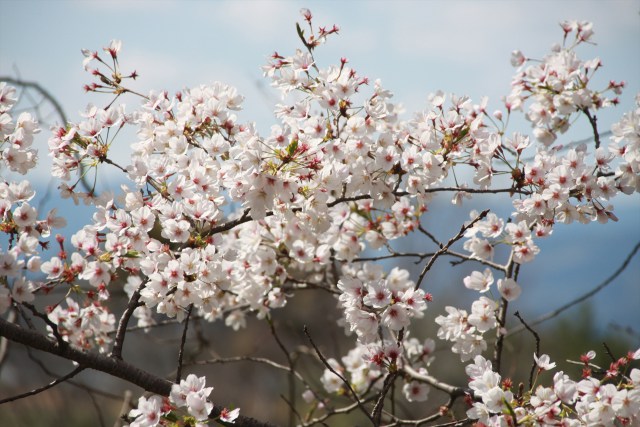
[
  {"x": 301, "y": 34},
  {"x": 293, "y": 146}
]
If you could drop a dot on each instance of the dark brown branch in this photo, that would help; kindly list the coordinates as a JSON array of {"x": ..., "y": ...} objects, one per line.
[
  {"x": 609, "y": 352},
  {"x": 478, "y": 190},
  {"x": 182, "y": 343},
  {"x": 593, "y": 120},
  {"x": 445, "y": 248},
  {"x": 53, "y": 383},
  {"x": 45, "y": 318},
  {"x": 4, "y": 343},
  {"x": 537, "y": 337},
  {"x": 376, "y": 413},
  {"x": 99, "y": 362},
  {"x": 233, "y": 223},
  {"x": 124, "y": 321},
  {"x": 109, "y": 365},
  {"x": 502, "y": 318}
]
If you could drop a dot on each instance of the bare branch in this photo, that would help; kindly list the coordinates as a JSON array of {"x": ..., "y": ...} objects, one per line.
[
  {"x": 53, "y": 383},
  {"x": 376, "y": 413},
  {"x": 182, "y": 342},
  {"x": 344, "y": 410},
  {"x": 593, "y": 120},
  {"x": 291, "y": 376},
  {"x": 465, "y": 258},
  {"x": 45, "y": 93},
  {"x": 333, "y": 371},
  {"x": 45, "y": 318},
  {"x": 502, "y": 317},
  {"x": 4, "y": 343},
  {"x": 445, "y": 248},
  {"x": 451, "y": 390},
  {"x": 262, "y": 360},
  {"x": 124, "y": 410},
  {"x": 402, "y": 422},
  {"x": 81, "y": 386},
  {"x": 99, "y": 362},
  {"x": 537, "y": 337},
  {"x": 124, "y": 321},
  {"x": 581, "y": 298}
]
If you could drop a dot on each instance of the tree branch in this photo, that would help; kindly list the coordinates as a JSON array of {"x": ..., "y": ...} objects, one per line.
[
  {"x": 445, "y": 248},
  {"x": 583, "y": 297},
  {"x": 376, "y": 413},
  {"x": 100, "y": 362},
  {"x": 182, "y": 343},
  {"x": 451, "y": 390},
  {"x": 333, "y": 371},
  {"x": 124, "y": 321},
  {"x": 537, "y": 337},
  {"x": 53, "y": 383}
]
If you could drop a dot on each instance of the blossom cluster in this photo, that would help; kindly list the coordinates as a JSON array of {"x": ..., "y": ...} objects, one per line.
[
  {"x": 365, "y": 365},
  {"x": 613, "y": 400},
  {"x": 190, "y": 393},
  {"x": 319, "y": 186},
  {"x": 84, "y": 327},
  {"x": 220, "y": 220},
  {"x": 558, "y": 84},
  {"x": 370, "y": 300},
  {"x": 16, "y": 139},
  {"x": 20, "y": 222}
]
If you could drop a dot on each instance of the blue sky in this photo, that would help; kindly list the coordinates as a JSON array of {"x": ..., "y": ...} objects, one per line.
[{"x": 415, "y": 48}]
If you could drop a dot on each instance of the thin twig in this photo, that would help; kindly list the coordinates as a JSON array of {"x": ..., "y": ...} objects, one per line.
[
  {"x": 124, "y": 409},
  {"x": 262, "y": 360},
  {"x": 403, "y": 422},
  {"x": 49, "y": 322},
  {"x": 97, "y": 408},
  {"x": 182, "y": 343},
  {"x": 81, "y": 386},
  {"x": 445, "y": 248},
  {"x": 46, "y": 94},
  {"x": 465, "y": 258},
  {"x": 592, "y": 292},
  {"x": 53, "y": 383},
  {"x": 292, "y": 408},
  {"x": 537, "y": 337},
  {"x": 333, "y": 371},
  {"x": 593, "y": 120},
  {"x": 451, "y": 390},
  {"x": 321, "y": 419},
  {"x": 291, "y": 376},
  {"x": 609, "y": 352}
]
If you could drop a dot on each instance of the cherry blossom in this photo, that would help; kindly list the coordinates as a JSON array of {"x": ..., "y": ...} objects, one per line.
[{"x": 220, "y": 221}]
